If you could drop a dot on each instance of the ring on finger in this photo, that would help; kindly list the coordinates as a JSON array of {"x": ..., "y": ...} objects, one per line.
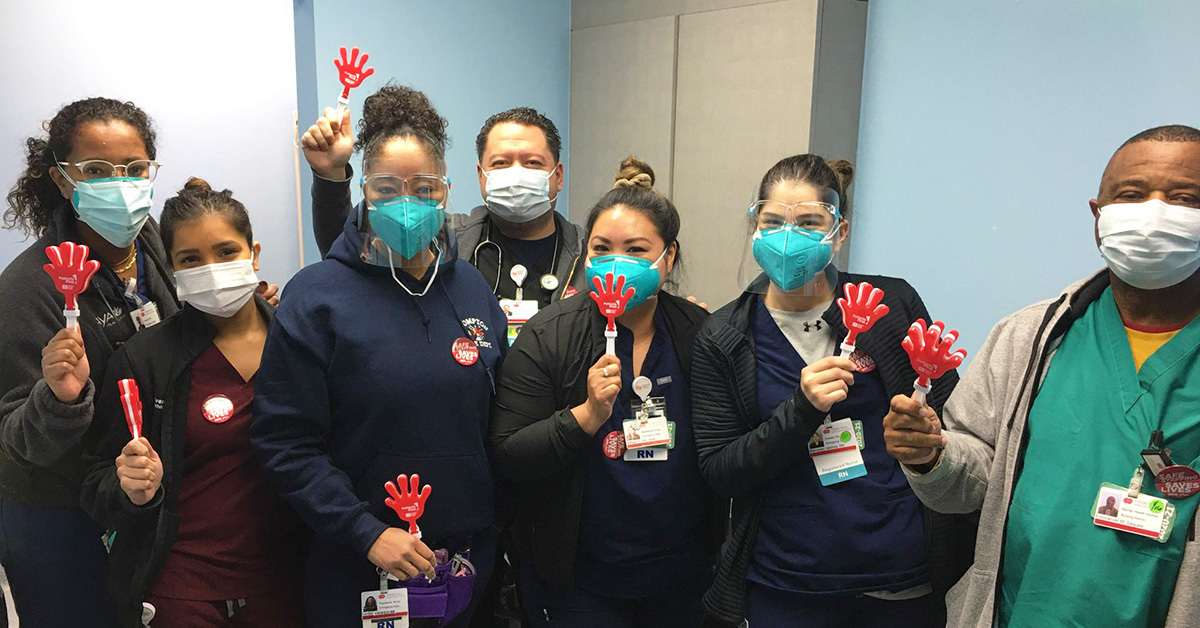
[{"x": 604, "y": 371}]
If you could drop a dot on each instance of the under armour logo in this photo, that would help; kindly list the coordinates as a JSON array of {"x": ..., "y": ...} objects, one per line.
[{"x": 811, "y": 326}]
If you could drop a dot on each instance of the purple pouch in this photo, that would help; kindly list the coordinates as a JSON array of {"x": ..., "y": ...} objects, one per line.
[{"x": 444, "y": 597}]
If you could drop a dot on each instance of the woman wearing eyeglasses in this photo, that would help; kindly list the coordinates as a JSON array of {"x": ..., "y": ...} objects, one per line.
[
  {"x": 380, "y": 362},
  {"x": 824, "y": 529},
  {"x": 89, "y": 181}
]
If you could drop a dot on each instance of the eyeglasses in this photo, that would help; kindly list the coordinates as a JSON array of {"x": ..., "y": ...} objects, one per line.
[
  {"x": 381, "y": 187},
  {"x": 811, "y": 215},
  {"x": 100, "y": 169}
]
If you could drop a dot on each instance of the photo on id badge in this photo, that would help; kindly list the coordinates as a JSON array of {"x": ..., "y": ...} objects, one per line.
[{"x": 1109, "y": 504}]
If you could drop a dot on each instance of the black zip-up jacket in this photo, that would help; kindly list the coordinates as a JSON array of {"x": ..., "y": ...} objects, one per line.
[
  {"x": 160, "y": 359},
  {"x": 740, "y": 454},
  {"x": 40, "y": 437},
  {"x": 538, "y": 444}
]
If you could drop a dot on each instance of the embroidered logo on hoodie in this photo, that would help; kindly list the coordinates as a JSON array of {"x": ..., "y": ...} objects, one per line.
[{"x": 477, "y": 329}]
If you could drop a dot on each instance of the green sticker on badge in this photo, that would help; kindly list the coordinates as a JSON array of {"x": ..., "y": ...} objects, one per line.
[
  {"x": 1157, "y": 506},
  {"x": 845, "y": 437}
]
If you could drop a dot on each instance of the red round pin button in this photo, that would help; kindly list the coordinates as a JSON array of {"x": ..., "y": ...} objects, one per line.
[
  {"x": 465, "y": 351},
  {"x": 614, "y": 445},
  {"x": 1178, "y": 481},
  {"x": 218, "y": 409}
]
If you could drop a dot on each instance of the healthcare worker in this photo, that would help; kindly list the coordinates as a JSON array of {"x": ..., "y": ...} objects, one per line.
[
  {"x": 1074, "y": 400},
  {"x": 610, "y": 535},
  {"x": 807, "y": 546},
  {"x": 196, "y": 530},
  {"x": 381, "y": 361}
]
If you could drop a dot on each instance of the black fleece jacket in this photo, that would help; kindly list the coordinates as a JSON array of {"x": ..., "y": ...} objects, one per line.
[{"x": 740, "y": 454}]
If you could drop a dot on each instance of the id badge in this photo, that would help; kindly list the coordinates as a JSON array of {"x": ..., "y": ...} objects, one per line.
[
  {"x": 835, "y": 452},
  {"x": 145, "y": 316},
  {"x": 649, "y": 426},
  {"x": 1144, "y": 515},
  {"x": 518, "y": 313},
  {"x": 385, "y": 609}
]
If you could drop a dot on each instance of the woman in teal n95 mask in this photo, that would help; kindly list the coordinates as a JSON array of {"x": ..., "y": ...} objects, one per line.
[
  {"x": 812, "y": 543},
  {"x": 610, "y": 532}
]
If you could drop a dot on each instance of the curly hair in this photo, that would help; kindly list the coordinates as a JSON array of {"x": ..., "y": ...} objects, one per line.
[
  {"x": 401, "y": 111},
  {"x": 34, "y": 199}
]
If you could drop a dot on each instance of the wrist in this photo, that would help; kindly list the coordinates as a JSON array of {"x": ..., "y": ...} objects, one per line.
[
  {"x": 337, "y": 174},
  {"x": 921, "y": 468},
  {"x": 585, "y": 417}
]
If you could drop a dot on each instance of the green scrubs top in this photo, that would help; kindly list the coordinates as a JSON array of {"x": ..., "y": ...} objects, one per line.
[{"x": 1091, "y": 420}]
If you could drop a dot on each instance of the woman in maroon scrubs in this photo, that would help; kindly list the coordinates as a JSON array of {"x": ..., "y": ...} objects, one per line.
[{"x": 199, "y": 535}]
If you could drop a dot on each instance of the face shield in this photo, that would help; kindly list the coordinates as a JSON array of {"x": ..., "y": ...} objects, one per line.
[{"x": 793, "y": 243}]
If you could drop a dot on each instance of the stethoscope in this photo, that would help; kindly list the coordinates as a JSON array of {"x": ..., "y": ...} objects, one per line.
[{"x": 548, "y": 281}]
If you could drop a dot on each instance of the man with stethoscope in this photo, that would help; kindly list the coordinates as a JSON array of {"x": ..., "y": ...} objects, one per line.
[{"x": 527, "y": 252}]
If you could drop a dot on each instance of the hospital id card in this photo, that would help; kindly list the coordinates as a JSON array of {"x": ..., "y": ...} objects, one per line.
[
  {"x": 518, "y": 313},
  {"x": 385, "y": 609},
  {"x": 649, "y": 426},
  {"x": 835, "y": 452},
  {"x": 1144, "y": 515},
  {"x": 652, "y": 454}
]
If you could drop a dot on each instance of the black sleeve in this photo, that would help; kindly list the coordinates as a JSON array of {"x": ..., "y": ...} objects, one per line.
[
  {"x": 101, "y": 496},
  {"x": 733, "y": 458},
  {"x": 531, "y": 436},
  {"x": 330, "y": 207}
]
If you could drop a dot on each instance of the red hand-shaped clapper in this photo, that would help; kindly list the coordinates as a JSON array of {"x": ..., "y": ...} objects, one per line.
[
  {"x": 929, "y": 352},
  {"x": 352, "y": 72},
  {"x": 406, "y": 501},
  {"x": 612, "y": 300},
  {"x": 71, "y": 271},
  {"x": 860, "y": 310},
  {"x": 131, "y": 402}
]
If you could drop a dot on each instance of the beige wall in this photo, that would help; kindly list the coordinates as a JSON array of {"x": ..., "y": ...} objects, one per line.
[{"x": 710, "y": 93}]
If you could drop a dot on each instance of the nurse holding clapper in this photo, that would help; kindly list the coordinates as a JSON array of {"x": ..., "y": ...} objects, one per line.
[{"x": 825, "y": 531}]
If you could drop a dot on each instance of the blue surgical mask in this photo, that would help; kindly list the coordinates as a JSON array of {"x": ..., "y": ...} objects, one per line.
[
  {"x": 640, "y": 274},
  {"x": 791, "y": 256},
  {"x": 407, "y": 224},
  {"x": 116, "y": 208}
]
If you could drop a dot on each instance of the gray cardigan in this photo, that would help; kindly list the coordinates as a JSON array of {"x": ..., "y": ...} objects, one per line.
[{"x": 984, "y": 427}]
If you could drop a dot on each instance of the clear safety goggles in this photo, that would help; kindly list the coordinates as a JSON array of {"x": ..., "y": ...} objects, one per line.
[
  {"x": 810, "y": 215},
  {"x": 378, "y": 188}
]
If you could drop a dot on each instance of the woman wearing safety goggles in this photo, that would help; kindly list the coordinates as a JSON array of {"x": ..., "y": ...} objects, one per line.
[
  {"x": 381, "y": 362},
  {"x": 825, "y": 531},
  {"x": 188, "y": 474}
]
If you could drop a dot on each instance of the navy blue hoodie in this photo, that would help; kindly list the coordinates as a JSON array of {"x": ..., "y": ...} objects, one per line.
[{"x": 358, "y": 384}]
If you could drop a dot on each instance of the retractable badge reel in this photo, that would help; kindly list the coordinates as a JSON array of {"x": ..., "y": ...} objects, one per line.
[
  {"x": 930, "y": 354},
  {"x": 861, "y": 309},
  {"x": 71, "y": 271},
  {"x": 352, "y": 71},
  {"x": 649, "y": 436}
]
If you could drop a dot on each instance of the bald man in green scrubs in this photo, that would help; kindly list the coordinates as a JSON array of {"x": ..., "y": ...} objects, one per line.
[{"x": 1091, "y": 396}]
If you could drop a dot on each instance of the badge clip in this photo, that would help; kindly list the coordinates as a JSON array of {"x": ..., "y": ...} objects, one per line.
[
  {"x": 1155, "y": 457},
  {"x": 1135, "y": 482}
]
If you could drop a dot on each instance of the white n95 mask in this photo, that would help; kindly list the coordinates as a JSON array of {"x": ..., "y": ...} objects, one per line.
[
  {"x": 217, "y": 289},
  {"x": 518, "y": 194},
  {"x": 1150, "y": 245}
]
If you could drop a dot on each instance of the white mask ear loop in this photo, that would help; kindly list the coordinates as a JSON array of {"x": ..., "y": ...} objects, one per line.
[{"x": 436, "y": 263}]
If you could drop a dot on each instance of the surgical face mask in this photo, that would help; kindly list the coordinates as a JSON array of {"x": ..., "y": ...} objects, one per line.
[
  {"x": 640, "y": 274},
  {"x": 791, "y": 256},
  {"x": 407, "y": 224},
  {"x": 115, "y": 208},
  {"x": 1150, "y": 245},
  {"x": 217, "y": 289},
  {"x": 518, "y": 194}
]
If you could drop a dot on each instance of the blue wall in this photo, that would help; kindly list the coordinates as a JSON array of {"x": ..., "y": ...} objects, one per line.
[
  {"x": 987, "y": 124},
  {"x": 473, "y": 58}
]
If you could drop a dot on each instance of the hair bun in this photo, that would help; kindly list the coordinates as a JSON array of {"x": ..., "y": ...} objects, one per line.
[
  {"x": 634, "y": 173},
  {"x": 844, "y": 171},
  {"x": 196, "y": 184},
  {"x": 397, "y": 107}
]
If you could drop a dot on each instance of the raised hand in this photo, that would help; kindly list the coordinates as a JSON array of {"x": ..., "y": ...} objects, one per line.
[
  {"x": 352, "y": 71},
  {"x": 140, "y": 471},
  {"x": 71, "y": 271},
  {"x": 65, "y": 365},
  {"x": 929, "y": 353},
  {"x": 329, "y": 143},
  {"x": 860, "y": 309},
  {"x": 408, "y": 503}
]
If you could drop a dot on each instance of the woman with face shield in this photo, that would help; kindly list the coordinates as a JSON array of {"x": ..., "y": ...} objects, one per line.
[
  {"x": 380, "y": 362},
  {"x": 195, "y": 530},
  {"x": 609, "y": 535},
  {"x": 815, "y": 539}
]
